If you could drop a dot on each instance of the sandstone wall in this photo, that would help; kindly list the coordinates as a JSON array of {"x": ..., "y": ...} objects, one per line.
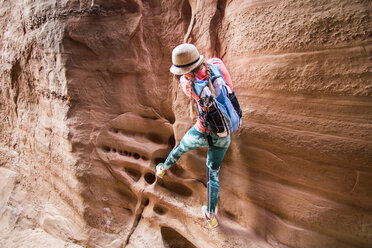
[
  {"x": 40, "y": 201},
  {"x": 89, "y": 108}
]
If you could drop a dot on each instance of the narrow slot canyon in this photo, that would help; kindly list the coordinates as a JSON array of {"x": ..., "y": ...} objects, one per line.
[{"x": 89, "y": 108}]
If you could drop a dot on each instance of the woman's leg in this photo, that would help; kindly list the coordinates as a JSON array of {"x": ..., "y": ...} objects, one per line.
[
  {"x": 193, "y": 139},
  {"x": 215, "y": 157}
]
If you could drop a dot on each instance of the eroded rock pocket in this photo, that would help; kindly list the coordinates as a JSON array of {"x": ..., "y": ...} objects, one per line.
[
  {"x": 159, "y": 160},
  {"x": 230, "y": 215},
  {"x": 177, "y": 170},
  {"x": 145, "y": 201},
  {"x": 125, "y": 153},
  {"x": 172, "y": 141},
  {"x": 177, "y": 188},
  {"x": 172, "y": 239},
  {"x": 160, "y": 210},
  {"x": 150, "y": 178},
  {"x": 133, "y": 173}
]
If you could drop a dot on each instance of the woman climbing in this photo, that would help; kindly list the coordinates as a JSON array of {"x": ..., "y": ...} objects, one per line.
[{"x": 191, "y": 65}]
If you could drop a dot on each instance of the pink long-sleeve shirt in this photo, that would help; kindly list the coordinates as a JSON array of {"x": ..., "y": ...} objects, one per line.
[{"x": 202, "y": 75}]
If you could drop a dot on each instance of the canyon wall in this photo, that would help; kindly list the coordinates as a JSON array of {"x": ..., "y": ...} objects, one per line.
[
  {"x": 89, "y": 107},
  {"x": 40, "y": 203}
]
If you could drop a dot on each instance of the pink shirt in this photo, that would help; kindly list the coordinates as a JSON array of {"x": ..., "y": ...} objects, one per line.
[{"x": 202, "y": 75}]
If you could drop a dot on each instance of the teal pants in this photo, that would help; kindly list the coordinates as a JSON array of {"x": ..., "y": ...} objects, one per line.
[{"x": 217, "y": 148}]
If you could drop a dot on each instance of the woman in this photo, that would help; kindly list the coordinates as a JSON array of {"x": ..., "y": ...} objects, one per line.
[{"x": 188, "y": 63}]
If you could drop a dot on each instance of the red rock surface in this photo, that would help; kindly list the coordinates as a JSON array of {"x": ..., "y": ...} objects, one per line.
[{"x": 89, "y": 107}]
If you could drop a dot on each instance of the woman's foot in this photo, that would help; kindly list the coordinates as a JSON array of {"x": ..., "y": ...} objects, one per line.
[
  {"x": 160, "y": 171},
  {"x": 211, "y": 218}
]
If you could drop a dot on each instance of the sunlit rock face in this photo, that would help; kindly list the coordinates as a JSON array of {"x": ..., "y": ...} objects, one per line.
[{"x": 89, "y": 107}]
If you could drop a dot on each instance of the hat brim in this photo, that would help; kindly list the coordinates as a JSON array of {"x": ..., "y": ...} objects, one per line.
[{"x": 183, "y": 70}]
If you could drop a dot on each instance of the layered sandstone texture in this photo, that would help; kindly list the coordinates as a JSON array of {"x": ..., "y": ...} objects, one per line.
[{"x": 89, "y": 107}]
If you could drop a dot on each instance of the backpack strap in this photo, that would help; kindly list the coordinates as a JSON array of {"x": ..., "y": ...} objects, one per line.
[{"x": 216, "y": 71}]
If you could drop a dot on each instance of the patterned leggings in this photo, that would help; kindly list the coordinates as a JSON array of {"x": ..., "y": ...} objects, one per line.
[{"x": 194, "y": 139}]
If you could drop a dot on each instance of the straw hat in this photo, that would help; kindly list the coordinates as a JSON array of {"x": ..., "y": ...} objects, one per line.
[{"x": 185, "y": 58}]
